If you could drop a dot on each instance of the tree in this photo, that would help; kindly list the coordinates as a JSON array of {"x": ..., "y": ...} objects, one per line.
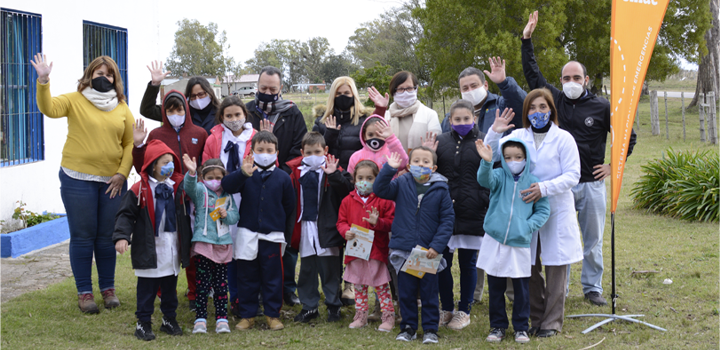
[
  {"x": 199, "y": 50},
  {"x": 337, "y": 66},
  {"x": 377, "y": 76},
  {"x": 709, "y": 68},
  {"x": 312, "y": 56}
]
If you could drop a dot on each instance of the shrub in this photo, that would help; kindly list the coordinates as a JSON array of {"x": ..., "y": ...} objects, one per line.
[
  {"x": 29, "y": 218},
  {"x": 684, "y": 185}
]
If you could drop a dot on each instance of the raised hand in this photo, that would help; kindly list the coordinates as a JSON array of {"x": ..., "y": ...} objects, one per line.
[
  {"x": 485, "y": 151},
  {"x": 430, "y": 140},
  {"x": 394, "y": 160},
  {"x": 384, "y": 130},
  {"x": 331, "y": 123},
  {"x": 139, "y": 132},
  {"x": 378, "y": 98},
  {"x": 331, "y": 164},
  {"x": 156, "y": 73},
  {"x": 497, "y": 70},
  {"x": 42, "y": 68},
  {"x": 190, "y": 164},
  {"x": 530, "y": 27},
  {"x": 266, "y": 125},
  {"x": 373, "y": 216},
  {"x": 248, "y": 166},
  {"x": 502, "y": 122}
]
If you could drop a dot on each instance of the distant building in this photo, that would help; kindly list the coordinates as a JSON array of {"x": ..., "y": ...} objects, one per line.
[
  {"x": 310, "y": 87},
  {"x": 245, "y": 85}
]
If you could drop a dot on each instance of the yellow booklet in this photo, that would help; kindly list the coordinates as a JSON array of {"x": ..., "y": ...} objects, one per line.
[{"x": 219, "y": 203}]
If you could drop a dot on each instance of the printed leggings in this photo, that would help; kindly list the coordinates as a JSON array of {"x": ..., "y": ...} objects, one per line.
[
  {"x": 210, "y": 275},
  {"x": 383, "y": 293}
]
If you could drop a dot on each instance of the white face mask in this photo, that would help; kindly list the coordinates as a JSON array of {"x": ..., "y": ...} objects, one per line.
[
  {"x": 264, "y": 159},
  {"x": 516, "y": 167},
  {"x": 314, "y": 162},
  {"x": 475, "y": 96},
  {"x": 405, "y": 99},
  {"x": 200, "y": 103},
  {"x": 234, "y": 125},
  {"x": 176, "y": 120},
  {"x": 573, "y": 90}
]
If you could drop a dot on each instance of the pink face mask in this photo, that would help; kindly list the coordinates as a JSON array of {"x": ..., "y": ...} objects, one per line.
[{"x": 213, "y": 185}]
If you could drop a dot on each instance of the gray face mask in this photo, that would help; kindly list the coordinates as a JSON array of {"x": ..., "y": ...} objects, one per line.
[{"x": 234, "y": 125}]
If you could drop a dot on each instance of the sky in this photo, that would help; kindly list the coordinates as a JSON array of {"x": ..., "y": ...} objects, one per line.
[{"x": 248, "y": 23}]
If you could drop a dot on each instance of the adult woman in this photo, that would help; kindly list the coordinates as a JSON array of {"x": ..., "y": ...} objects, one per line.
[
  {"x": 97, "y": 158},
  {"x": 557, "y": 243},
  {"x": 200, "y": 95}
]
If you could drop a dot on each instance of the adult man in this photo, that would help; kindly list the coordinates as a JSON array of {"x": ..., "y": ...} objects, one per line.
[{"x": 587, "y": 118}]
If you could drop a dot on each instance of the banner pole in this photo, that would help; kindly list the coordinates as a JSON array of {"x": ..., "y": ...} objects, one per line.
[{"x": 613, "y": 295}]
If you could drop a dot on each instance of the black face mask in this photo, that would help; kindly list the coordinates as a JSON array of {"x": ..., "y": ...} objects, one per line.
[
  {"x": 375, "y": 144},
  {"x": 102, "y": 84},
  {"x": 267, "y": 97},
  {"x": 344, "y": 102}
]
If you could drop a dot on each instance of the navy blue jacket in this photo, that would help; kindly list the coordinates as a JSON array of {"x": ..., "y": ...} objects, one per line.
[
  {"x": 428, "y": 223},
  {"x": 266, "y": 206}
]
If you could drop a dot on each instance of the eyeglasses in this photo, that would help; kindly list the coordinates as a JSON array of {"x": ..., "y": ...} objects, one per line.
[
  {"x": 201, "y": 94},
  {"x": 401, "y": 90}
]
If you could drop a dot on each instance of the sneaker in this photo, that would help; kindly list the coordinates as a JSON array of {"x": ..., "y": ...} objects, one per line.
[
  {"x": 595, "y": 298},
  {"x": 143, "y": 331},
  {"x": 459, "y": 321},
  {"x": 200, "y": 327},
  {"x": 376, "y": 315},
  {"x": 86, "y": 303},
  {"x": 348, "y": 294},
  {"x": 274, "y": 324},
  {"x": 191, "y": 305},
  {"x": 546, "y": 333},
  {"x": 388, "y": 321},
  {"x": 291, "y": 299},
  {"x": 533, "y": 331},
  {"x": 222, "y": 327},
  {"x": 245, "y": 323},
  {"x": 445, "y": 318},
  {"x": 496, "y": 335},
  {"x": 360, "y": 319},
  {"x": 334, "y": 314},
  {"x": 522, "y": 337},
  {"x": 406, "y": 334},
  {"x": 430, "y": 337},
  {"x": 170, "y": 326},
  {"x": 110, "y": 299},
  {"x": 306, "y": 315}
]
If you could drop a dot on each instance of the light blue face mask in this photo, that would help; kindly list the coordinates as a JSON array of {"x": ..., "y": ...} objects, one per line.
[
  {"x": 539, "y": 119},
  {"x": 420, "y": 173},
  {"x": 167, "y": 169},
  {"x": 364, "y": 188}
]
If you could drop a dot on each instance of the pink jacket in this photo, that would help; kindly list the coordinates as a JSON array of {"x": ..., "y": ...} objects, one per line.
[
  {"x": 392, "y": 144},
  {"x": 213, "y": 144}
]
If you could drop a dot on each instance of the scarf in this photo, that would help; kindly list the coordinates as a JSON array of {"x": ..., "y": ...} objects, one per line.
[
  {"x": 397, "y": 112},
  {"x": 272, "y": 110},
  {"x": 104, "y": 101},
  {"x": 164, "y": 202}
]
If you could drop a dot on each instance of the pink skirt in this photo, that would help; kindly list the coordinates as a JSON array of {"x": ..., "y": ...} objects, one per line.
[{"x": 370, "y": 273}]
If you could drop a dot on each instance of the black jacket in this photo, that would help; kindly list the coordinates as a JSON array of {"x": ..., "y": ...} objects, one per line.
[
  {"x": 459, "y": 161},
  {"x": 289, "y": 130},
  {"x": 344, "y": 142},
  {"x": 203, "y": 118},
  {"x": 587, "y": 118},
  {"x": 133, "y": 224}
]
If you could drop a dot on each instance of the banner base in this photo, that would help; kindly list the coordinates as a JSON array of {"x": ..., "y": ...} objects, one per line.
[{"x": 613, "y": 317}]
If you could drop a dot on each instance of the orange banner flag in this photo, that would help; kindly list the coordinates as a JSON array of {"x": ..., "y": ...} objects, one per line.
[{"x": 635, "y": 25}]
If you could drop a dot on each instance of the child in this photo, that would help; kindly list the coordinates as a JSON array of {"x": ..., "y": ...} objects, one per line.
[
  {"x": 320, "y": 188},
  {"x": 509, "y": 225},
  {"x": 363, "y": 208},
  {"x": 378, "y": 143},
  {"x": 212, "y": 244},
  {"x": 153, "y": 218},
  {"x": 266, "y": 220},
  {"x": 423, "y": 216}
]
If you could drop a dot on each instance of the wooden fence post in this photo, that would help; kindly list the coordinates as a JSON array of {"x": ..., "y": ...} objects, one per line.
[
  {"x": 682, "y": 100},
  {"x": 654, "y": 113},
  {"x": 667, "y": 128},
  {"x": 712, "y": 117},
  {"x": 701, "y": 111}
]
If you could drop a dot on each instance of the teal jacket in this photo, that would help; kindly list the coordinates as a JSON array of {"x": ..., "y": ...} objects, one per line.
[
  {"x": 199, "y": 195},
  {"x": 509, "y": 220}
]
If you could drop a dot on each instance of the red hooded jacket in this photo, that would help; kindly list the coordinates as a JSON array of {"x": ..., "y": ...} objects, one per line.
[{"x": 353, "y": 210}]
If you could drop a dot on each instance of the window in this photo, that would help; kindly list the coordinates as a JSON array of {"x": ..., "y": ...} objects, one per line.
[
  {"x": 21, "y": 123},
  {"x": 102, "y": 39}
]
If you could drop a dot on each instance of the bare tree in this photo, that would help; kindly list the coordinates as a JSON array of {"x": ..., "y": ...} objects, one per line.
[{"x": 709, "y": 70}]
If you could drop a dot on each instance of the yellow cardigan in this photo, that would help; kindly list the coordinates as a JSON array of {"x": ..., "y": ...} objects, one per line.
[{"x": 98, "y": 143}]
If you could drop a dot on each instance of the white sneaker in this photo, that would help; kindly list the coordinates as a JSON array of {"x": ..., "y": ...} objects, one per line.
[
  {"x": 459, "y": 321},
  {"x": 222, "y": 327},
  {"x": 200, "y": 327}
]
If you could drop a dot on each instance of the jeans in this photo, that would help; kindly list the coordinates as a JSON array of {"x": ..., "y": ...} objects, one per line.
[
  {"x": 590, "y": 203},
  {"x": 496, "y": 303},
  {"x": 91, "y": 219},
  {"x": 467, "y": 259}
]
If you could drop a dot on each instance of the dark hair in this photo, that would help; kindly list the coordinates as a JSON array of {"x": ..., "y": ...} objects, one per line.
[
  {"x": 544, "y": 93},
  {"x": 399, "y": 78},
  {"x": 270, "y": 70},
  {"x": 423, "y": 148},
  {"x": 264, "y": 136},
  {"x": 472, "y": 71},
  {"x": 313, "y": 138},
  {"x": 373, "y": 119},
  {"x": 460, "y": 104},
  {"x": 149, "y": 170},
  {"x": 113, "y": 69},
  {"x": 205, "y": 85},
  {"x": 174, "y": 102},
  {"x": 514, "y": 144},
  {"x": 366, "y": 163},
  {"x": 581, "y": 65},
  {"x": 211, "y": 164},
  {"x": 227, "y": 102}
]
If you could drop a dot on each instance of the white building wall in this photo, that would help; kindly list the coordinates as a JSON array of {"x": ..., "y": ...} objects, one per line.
[{"x": 37, "y": 184}]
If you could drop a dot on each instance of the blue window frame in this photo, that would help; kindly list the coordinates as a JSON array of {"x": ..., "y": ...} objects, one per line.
[
  {"x": 21, "y": 123},
  {"x": 102, "y": 39}
]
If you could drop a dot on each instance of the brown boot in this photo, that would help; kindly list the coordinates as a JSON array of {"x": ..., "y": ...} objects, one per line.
[
  {"x": 86, "y": 303},
  {"x": 111, "y": 300},
  {"x": 348, "y": 294},
  {"x": 376, "y": 314}
]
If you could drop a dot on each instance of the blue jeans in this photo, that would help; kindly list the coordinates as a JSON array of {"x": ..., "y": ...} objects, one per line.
[
  {"x": 408, "y": 287},
  {"x": 468, "y": 278},
  {"x": 590, "y": 203},
  {"x": 521, "y": 304},
  {"x": 91, "y": 219}
]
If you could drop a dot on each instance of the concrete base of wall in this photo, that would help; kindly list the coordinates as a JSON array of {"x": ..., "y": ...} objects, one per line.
[{"x": 33, "y": 238}]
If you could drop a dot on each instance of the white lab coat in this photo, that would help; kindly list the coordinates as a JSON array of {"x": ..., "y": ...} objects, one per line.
[{"x": 557, "y": 165}]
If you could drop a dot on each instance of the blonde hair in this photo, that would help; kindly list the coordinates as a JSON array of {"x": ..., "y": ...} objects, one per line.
[
  {"x": 356, "y": 109},
  {"x": 113, "y": 69}
]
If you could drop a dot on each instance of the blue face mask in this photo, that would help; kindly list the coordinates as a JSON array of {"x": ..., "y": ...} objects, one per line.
[
  {"x": 539, "y": 119},
  {"x": 167, "y": 169},
  {"x": 420, "y": 173}
]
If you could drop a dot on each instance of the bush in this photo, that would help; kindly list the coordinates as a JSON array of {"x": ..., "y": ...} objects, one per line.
[{"x": 684, "y": 185}]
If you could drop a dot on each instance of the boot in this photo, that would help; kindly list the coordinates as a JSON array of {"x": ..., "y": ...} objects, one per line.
[
  {"x": 348, "y": 294},
  {"x": 110, "y": 299},
  {"x": 86, "y": 303},
  {"x": 376, "y": 314},
  {"x": 388, "y": 321},
  {"x": 360, "y": 319}
]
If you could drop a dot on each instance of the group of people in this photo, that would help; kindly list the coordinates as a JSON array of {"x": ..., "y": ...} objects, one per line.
[{"x": 235, "y": 193}]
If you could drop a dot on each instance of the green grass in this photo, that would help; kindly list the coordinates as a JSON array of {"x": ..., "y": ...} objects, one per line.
[{"x": 685, "y": 252}]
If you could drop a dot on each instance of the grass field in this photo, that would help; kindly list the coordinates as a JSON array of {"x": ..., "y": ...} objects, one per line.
[{"x": 685, "y": 252}]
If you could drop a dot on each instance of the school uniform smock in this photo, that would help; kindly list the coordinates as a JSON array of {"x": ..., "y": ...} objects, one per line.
[
  {"x": 166, "y": 245},
  {"x": 309, "y": 238}
]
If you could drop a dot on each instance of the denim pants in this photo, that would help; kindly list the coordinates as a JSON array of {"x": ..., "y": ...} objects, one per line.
[
  {"x": 468, "y": 278},
  {"x": 521, "y": 304},
  {"x": 590, "y": 203},
  {"x": 91, "y": 219}
]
